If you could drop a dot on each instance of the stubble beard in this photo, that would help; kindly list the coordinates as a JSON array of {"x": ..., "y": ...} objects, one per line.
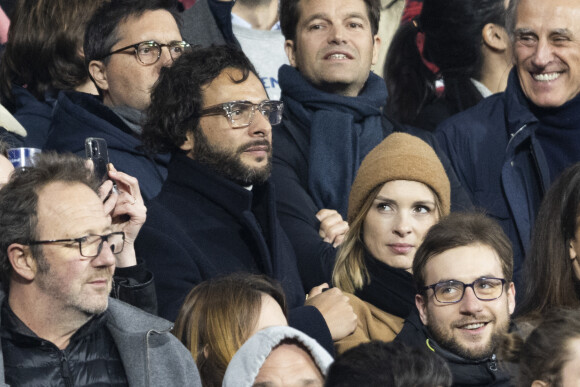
[
  {"x": 444, "y": 337},
  {"x": 229, "y": 164},
  {"x": 51, "y": 285}
]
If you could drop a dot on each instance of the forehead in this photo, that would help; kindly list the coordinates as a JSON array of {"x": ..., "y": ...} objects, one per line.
[
  {"x": 224, "y": 89},
  {"x": 67, "y": 209},
  {"x": 548, "y": 15},
  {"x": 289, "y": 365},
  {"x": 406, "y": 190},
  {"x": 150, "y": 25},
  {"x": 310, "y": 9},
  {"x": 465, "y": 264}
]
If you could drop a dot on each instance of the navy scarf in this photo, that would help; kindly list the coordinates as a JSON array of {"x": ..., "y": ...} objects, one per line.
[{"x": 342, "y": 131}]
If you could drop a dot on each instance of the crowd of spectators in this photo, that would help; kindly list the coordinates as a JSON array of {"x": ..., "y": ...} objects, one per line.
[{"x": 296, "y": 192}]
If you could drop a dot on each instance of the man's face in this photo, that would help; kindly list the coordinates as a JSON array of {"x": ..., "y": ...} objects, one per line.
[
  {"x": 334, "y": 47},
  {"x": 470, "y": 327},
  {"x": 289, "y": 366},
  {"x": 70, "y": 281},
  {"x": 124, "y": 80},
  {"x": 547, "y": 50},
  {"x": 242, "y": 155}
]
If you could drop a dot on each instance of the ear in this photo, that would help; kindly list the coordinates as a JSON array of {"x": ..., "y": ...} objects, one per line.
[
  {"x": 290, "y": 52},
  {"x": 376, "y": 49},
  {"x": 539, "y": 383},
  {"x": 573, "y": 249},
  {"x": 495, "y": 37},
  {"x": 511, "y": 296},
  {"x": 188, "y": 144},
  {"x": 98, "y": 72},
  {"x": 22, "y": 261},
  {"x": 206, "y": 351},
  {"x": 421, "y": 305}
]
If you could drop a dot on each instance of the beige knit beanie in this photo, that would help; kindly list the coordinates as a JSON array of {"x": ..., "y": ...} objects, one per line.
[{"x": 400, "y": 156}]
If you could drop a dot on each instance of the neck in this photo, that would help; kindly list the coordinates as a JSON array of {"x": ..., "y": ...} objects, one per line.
[
  {"x": 261, "y": 17},
  {"x": 87, "y": 87},
  {"x": 33, "y": 308},
  {"x": 495, "y": 70}
]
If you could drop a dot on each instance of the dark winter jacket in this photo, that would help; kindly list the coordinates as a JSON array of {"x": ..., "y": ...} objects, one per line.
[
  {"x": 80, "y": 115},
  {"x": 499, "y": 162},
  {"x": 202, "y": 225},
  {"x": 209, "y": 22},
  {"x": 150, "y": 354},
  {"x": 34, "y": 115},
  {"x": 465, "y": 372},
  {"x": 296, "y": 207}
]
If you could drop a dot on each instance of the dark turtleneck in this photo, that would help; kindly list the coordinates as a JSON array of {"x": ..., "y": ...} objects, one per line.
[
  {"x": 392, "y": 290},
  {"x": 559, "y": 134}
]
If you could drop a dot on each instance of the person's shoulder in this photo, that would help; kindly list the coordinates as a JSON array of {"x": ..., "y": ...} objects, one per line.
[
  {"x": 128, "y": 318},
  {"x": 487, "y": 113}
]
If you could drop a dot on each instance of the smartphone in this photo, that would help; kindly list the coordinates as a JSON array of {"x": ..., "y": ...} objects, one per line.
[{"x": 96, "y": 150}]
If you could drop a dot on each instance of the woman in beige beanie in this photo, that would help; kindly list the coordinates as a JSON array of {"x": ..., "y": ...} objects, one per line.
[{"x": 400, "y": 191}]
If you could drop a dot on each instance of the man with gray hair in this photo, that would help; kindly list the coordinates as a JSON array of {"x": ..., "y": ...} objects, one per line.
[
  {"x": 508, "y": 149},
  {"x": 59, "y": 244}
]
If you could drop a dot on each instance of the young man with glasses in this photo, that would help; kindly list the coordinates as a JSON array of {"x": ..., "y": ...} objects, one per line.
[
  {"x": 126, "y": 45},
  {"x": 216, "y": 213},
  {"x": 59, "y": 247},
  {"x": 465, "y": 297}
]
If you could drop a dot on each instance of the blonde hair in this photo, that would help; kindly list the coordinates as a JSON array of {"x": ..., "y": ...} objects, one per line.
[{"x": 350, "y": 272}]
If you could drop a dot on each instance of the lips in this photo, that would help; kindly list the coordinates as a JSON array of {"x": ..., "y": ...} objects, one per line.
[{"x": 401, "y": 248}]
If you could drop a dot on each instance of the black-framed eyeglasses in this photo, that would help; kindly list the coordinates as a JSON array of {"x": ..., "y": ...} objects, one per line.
[
  {"x": 149, "y": 52},
  {"x": 241, "y": 113},
  {"x": 451, "y": 292},
  {"x": 91, "y": 245}
]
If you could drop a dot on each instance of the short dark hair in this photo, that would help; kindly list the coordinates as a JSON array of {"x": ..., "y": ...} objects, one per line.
[
  {"x": 102, "y": 30},
  {"x": 290, "y": 15},
  {"x": 463, "y": 229},
  {"x": 380, "y": 364},
  {"x": 19, "y": 200},
  {"x": 177, "y": 98}
]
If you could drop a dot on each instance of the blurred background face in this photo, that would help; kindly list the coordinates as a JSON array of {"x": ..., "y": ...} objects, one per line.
[
  {"x": 571, "y": 370},
  {"x": 6, "y": 169},
  {"x": 397, "y": 221},
  {"x": 271, "y": 314}
]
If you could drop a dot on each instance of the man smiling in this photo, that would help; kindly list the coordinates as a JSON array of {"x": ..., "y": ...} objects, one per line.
[
  {"x": 465, "y": 296},
  {"x": 523, "y": 138}
]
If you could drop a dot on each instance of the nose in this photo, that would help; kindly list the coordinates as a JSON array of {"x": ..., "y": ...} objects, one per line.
[
  {"x": 543, "y": 54},
  {"x": 165, "y": 58},
  {"x": 260, "y": 126},
  {"x": 470, "y": 304},
  {"x": 106, "y": 258},
  {"x": 337, "y": 34},
  {"x": 402, "y": 226}
]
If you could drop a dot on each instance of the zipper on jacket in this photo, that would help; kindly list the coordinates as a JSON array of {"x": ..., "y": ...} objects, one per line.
[
  {"x": 66, "y": 375},
  {"x": 515, "y": 134},
  {"x": 493, "y": 363},
  {"x": 538, "y": 169}
]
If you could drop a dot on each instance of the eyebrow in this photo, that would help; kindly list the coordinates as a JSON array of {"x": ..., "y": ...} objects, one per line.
[
  {"x": 386, "y": 199},
  {"x": 325, "y": 16},
  {"x": 489, "y": 275}
]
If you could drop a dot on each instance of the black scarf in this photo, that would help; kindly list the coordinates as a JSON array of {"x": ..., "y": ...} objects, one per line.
[
  {"x": 392, "y": 290},
  {"x": 342, "y": 131}
]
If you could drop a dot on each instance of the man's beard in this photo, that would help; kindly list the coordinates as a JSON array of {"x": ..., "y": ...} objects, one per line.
[
  {"x": 444, "y": 337},
  {"x": 229, "y": 164}
]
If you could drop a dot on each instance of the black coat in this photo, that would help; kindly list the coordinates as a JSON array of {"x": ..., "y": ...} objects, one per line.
[
  {"x": 202, "y": 225},
  {"x": 296, "y": 207}
]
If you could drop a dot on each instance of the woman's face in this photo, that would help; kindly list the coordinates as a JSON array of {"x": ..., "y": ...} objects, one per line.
[
  {"x": 575, "y": 250},
  {"x": 271, "y": 314},
  {"x": 570, "y": 373},
  {"x": 6, "y": 169},
  {"x": 397, "y": 221}
]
